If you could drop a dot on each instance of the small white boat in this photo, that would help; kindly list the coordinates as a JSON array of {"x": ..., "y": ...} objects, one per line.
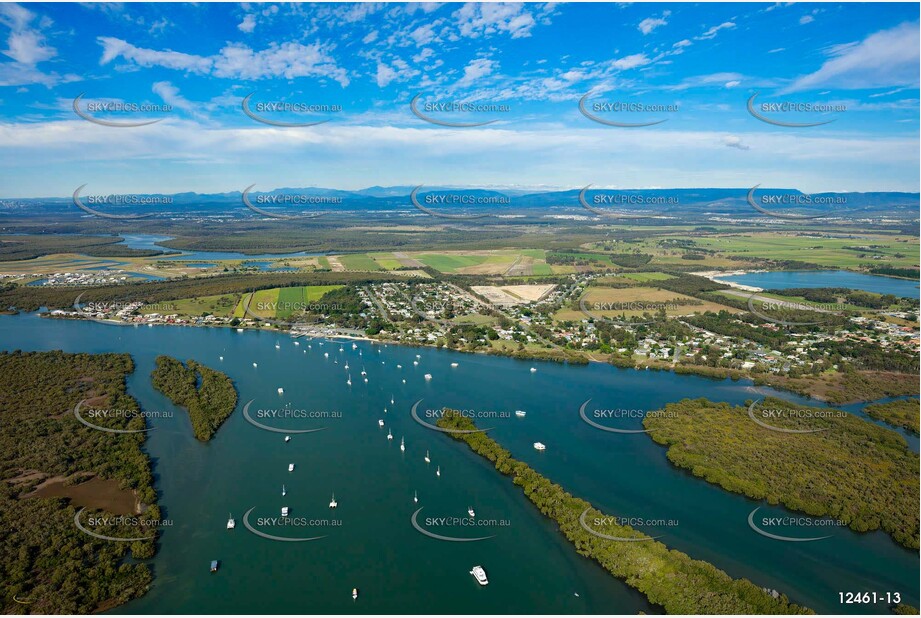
[
  {"x": 220, "y": 358},
  {"x": 540, "y": 446},
  {"x": 349, "y": 381},
  {"x": 480, "y": 574},
  {"x": 428, "y": 376},
  {"x": 239, "y": 330},
  {"x": 471, "y": 512},
  {"x": 533, "y": 370},
  {"x": 454, "y": 364},
  {"x": 354, "y": 346},
  {"x": 341, "y": 349},
  {"x": 399, "y": 366},
  {"x": 402, "y": 445},
  {"x": 438, "y": 471},
  {"x": 231, "y": 524},
  {"x": 354, "y": 593},
  {"x": 255, "y": 365},
  {"x": 427, "y": 458},
  {"x": 380, "y": 422},
  {"x": 287, "y": 438},
  {"x": 415, "y": 496},
  {"x": 290, "y": 467},
  {"x": 520, "y": 413},
  {"x": 332, "y": 503},
  {"x": 325, "y": 354},
  {"x": 297, "y": 343},
  {"x": 404, "y": 381},
  {"x": 281, "y": 391},
  {"x": 366, "y": 380},
  {"x": 415, "y": 362},
  {"x": 277, "y": 346},
  {"x": 284, "y": 511},
  {"x": 284, "y": 492},
  {"x": 389, "y": 435},
  {"x": 346, "y": 366},
  {"x": 391, "y": 399},
  {"x": 417, "y": 356},
  {"x": 214, "y": 566},
  {"x": 363, "y": 372}
]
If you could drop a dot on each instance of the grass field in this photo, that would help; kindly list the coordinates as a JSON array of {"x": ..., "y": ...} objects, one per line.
[
  {"x": 359, "y": 261},
  {"x": 280, "y": 302},
  {"x": 643, "y": 277},
  {"x": 645, "y": 300},
  {"x": 387, "y": 261},
  {"x": 901, "y": 251},
  {"x": 221, "y": 305}
]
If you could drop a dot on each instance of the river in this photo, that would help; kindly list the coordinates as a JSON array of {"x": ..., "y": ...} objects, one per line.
[{"x": 531, "y": 567}]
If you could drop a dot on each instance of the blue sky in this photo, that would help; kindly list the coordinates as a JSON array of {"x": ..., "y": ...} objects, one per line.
[{"x": 538, "y": 60}]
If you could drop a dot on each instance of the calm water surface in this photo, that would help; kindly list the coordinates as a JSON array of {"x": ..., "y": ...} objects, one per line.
[{"x": 531, "y": 568}]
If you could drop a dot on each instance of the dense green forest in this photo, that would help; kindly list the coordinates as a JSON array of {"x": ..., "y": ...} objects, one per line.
[
  {"x": 208, "y": 394},
  {"x": 855, "y": 471},
  {"x": 47, "y": 564},
  {"x": 669, "y": 578},
  {"x": 901, "y": 413}
]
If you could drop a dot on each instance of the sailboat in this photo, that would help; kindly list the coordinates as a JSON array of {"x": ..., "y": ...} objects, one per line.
[
  {"x": 380, "y": 422},
  {"x": 255, "y": 365},
  {"x": 354, "y": 593},
  {"x": 438, "y": 471},
  {"x": 231, "y": 524},
  {"x": 389, "y": 435},
  {"x": 354, "y": 346},
  {"x": 391, "y": 399},
  {"x": 415, "y": 496},
  {"x": 325, "y": 354},
  {"x": 349, "y": 381},
  {"x": 363, "y": 372},
  {"x": 220, "y": 358},
  {"x": 284, "y": 492},
  {"x": 428, "y": 376},
  {"x": 281, "y": 391},
  {"x": 346, "y": 365},
  {"x": 402, "y": 445},
  {"x": 287, "y": 438},
  {"x": 277, "y": 346},
  {"x": 332, "y": 503},
  {"x": 427, "y": 458},
  {"x": 470, "y": 511}
]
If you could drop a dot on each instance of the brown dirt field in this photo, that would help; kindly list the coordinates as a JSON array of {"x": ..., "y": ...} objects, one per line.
[{"x": 95, "y": 493}]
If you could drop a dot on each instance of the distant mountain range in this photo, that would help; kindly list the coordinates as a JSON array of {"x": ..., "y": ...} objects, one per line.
[{"x": 655, "y": 202}]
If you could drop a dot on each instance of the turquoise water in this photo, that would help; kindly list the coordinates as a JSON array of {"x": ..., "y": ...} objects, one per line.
[
  {"x": 149, "y": 241},
  {"x": 531, "y": 568},
  {"x": 781, "y": 280}
]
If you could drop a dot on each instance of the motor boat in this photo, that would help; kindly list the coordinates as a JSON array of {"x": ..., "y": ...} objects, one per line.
[
  {"x": 479, "y": 573},
  {"x": 231, "y": 523},
  {"x": 291, "y": 467},
  {"x": 540, "y": 446}
]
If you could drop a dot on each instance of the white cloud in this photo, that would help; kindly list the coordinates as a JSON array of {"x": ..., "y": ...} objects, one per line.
[
  {"x": 248, "y": 24},
  {"x": 712, "y": 32},
  {"x": 651, "y": 23},
  {"x": 882, "y": 60},
  {"x": 734, "y": 141},
  {"x": 477, "y": 69},
  {"x": 631, "y": 62},
  {"x": 732, "y": 83},
  {"x": 370, "y": 37},
  {"x": 476, "y": 19},
  {"x": 806, "y": 19},
  {"x": 236, "y": 60},
  {"x": 25, "y": 45}
]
